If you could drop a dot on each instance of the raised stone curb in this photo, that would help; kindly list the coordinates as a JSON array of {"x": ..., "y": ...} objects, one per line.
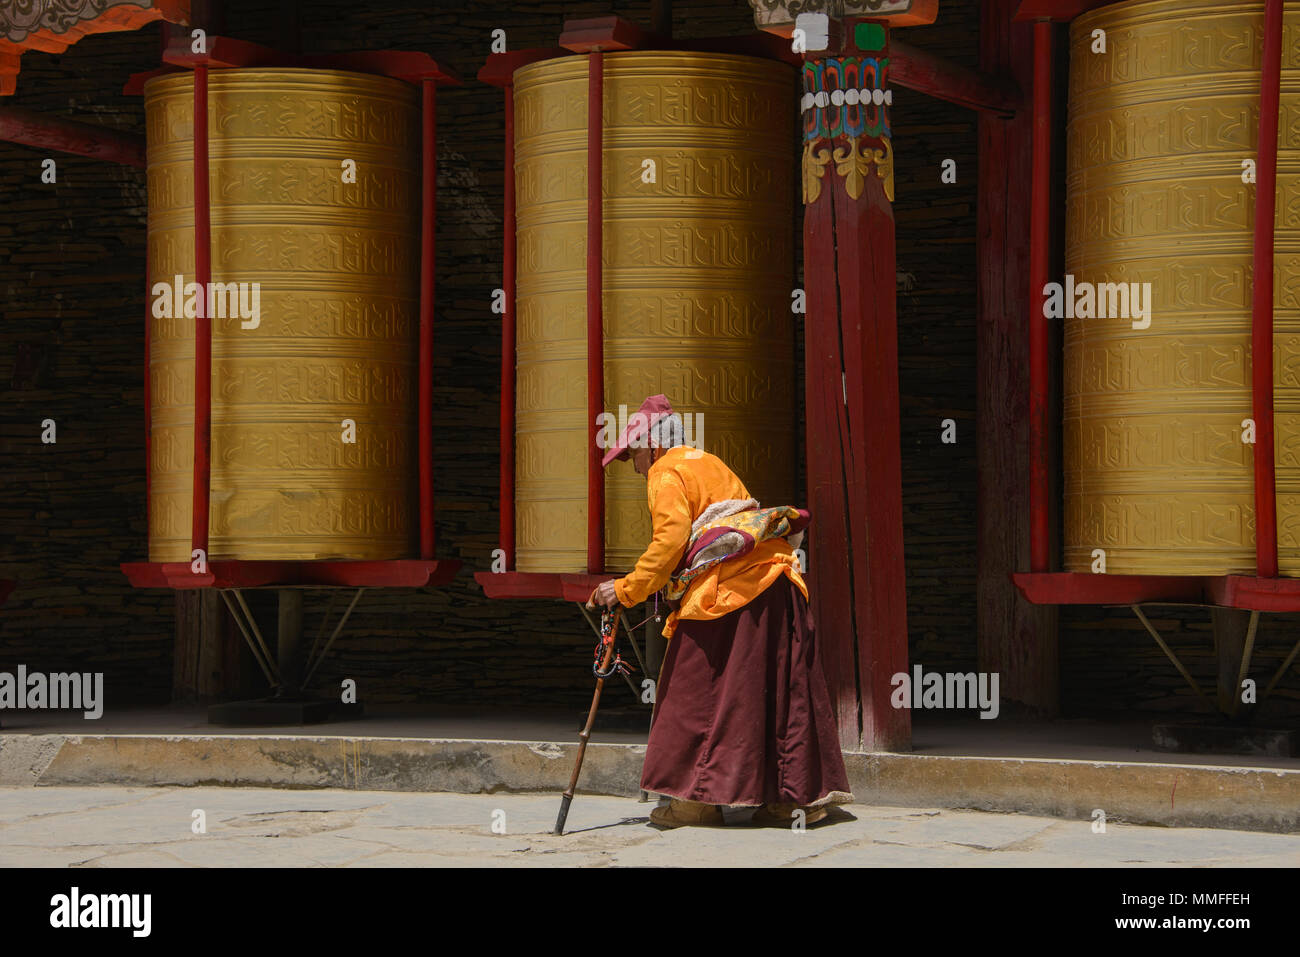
[{"x": 1138, "y": 793}]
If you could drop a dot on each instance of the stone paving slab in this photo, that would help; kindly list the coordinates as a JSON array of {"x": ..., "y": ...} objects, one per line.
[
  {"x": 106, "y": 826},
  {"x": 1164, "y": 794}
]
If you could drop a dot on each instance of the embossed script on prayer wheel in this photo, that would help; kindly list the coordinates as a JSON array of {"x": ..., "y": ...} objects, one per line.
[
  {"x": 698, "y": 195},
  {"x": 337, "y": 268},
  {"x": 1157, "y": 472}
]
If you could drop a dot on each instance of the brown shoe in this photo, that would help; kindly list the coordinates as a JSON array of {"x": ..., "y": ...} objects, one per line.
[
  {"x": 782, "y": 815},
  {"x": 687, "y": 813}
]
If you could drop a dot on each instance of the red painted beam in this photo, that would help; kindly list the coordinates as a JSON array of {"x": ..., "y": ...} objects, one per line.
[
  {"x": 595, "y": 311},
  {"x": 1040, "y": 188},
  {"x": 1261, "y": 317},
  {"x": 428, "y": 218},
  {"x": 945, "y": 80},
  {"x": 68, "y": 136},
  {"x": 203, "y": 322},
  {"x": 506, "y": 534}
]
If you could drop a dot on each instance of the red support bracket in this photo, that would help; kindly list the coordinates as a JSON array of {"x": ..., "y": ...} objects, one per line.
[
  {"x": 407, "y": 65},
  {"x": 1220, "y": 591},
  {"x": 1082, "y": 588},
  {"x": 399, "y": 573},
  {"x": 607, "y": 33},
  {"x": 499, "y": 70},
  {"x": 29, "y": 128},
  {"x": 575, "y": 587},
  {"x": 768, "y": 46},
  {"x": 222, "y": 53}
]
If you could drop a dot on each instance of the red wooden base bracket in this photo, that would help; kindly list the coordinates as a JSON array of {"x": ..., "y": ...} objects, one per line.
[
  {"x": 1223, "y": 591},
  {"x": 569, "y": 587},
  {"x": 397, "y": 573}
]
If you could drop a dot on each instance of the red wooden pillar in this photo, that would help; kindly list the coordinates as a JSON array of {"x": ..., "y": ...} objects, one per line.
[
  {"x": 854, "y": 460},
  {"x": 507, "y": 439},
  {"x": 203, "y": 322},
  {"x": 428, "y": 220},
  {"x": 1261, "y": 320},
  {"x": 1016, "y": 498},
  {"x": 1040, "y": 238},
  {"x": 148, "y": 395},
  {"x": 595, "y": 314},
  {"x": 499, "y": 71}
]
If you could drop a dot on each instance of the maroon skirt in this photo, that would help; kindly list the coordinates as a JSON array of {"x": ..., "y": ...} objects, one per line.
[{"x": 742, "y": 714}]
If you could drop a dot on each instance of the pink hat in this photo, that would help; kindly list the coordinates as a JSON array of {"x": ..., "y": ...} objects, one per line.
[{"x": 638, "y": 426}]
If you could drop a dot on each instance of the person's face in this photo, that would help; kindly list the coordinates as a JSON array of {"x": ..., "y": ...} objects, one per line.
[{"x": 642, "y": 459}]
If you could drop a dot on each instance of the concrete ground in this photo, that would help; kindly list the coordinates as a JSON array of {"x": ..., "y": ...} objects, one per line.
[{"x": 262, "y": 827}]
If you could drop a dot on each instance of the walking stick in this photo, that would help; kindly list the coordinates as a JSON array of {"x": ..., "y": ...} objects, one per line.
[{"x": 608, "y": 634}]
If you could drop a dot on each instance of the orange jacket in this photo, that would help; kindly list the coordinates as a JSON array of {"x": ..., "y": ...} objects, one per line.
[{"x": 679, "y": 487}]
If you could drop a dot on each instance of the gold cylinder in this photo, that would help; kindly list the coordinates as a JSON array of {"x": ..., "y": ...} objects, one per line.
[
  {"x": 336, "y": 260},
  {"x": 1158, "y": 469},
  {"x": 698, "y": 193}
]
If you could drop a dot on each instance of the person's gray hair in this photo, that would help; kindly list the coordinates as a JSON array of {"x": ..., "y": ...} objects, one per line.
[{"x": 668, "y": 432}]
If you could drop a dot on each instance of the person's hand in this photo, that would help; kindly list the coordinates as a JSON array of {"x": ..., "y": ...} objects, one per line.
[{"x": 604, "y": 595}]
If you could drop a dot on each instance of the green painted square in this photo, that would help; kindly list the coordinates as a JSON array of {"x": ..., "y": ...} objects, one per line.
[{"x": 869, "y": 37}]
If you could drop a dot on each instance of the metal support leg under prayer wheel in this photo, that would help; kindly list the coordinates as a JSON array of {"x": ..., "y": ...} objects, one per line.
[
  {"x": 1231, "y": 730},
  {"x": 289, "y": 704}
]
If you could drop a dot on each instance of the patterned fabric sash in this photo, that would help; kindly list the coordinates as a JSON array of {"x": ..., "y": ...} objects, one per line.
[{"x": 731, "y": 529}]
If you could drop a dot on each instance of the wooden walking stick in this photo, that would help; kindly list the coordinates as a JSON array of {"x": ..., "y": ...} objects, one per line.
[{"x": 606, "y": 665}]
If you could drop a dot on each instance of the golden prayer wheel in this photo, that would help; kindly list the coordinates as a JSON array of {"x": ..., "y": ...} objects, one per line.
[
  {"x": 698, "y": 192},
  {"x": 1158, "y": 466},
  {"x": 337, "y": 266}
]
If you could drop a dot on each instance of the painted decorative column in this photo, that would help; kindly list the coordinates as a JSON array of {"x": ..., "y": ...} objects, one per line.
[{"x": 855, "y": 563}]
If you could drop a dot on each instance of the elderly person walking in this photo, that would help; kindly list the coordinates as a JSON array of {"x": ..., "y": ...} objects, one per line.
[{"x": 742, "y": 715}]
